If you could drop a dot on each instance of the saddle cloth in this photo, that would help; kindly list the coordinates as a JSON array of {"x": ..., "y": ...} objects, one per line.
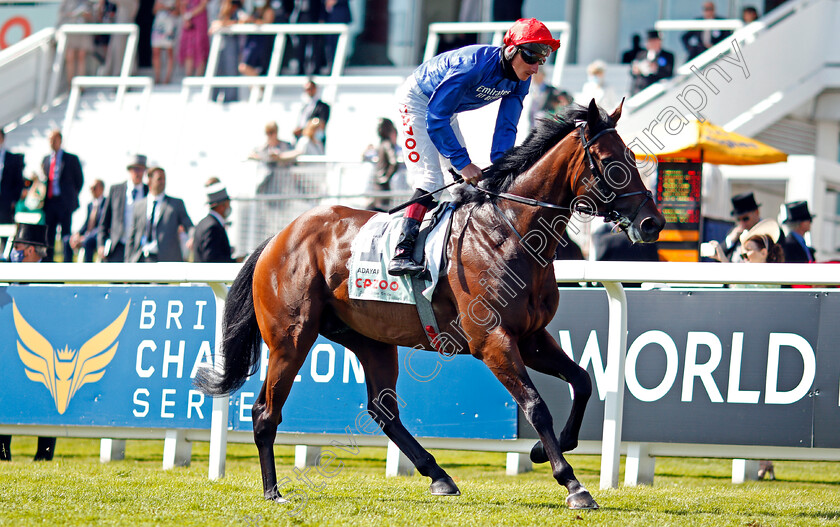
[{"x": 371, "y": 253}]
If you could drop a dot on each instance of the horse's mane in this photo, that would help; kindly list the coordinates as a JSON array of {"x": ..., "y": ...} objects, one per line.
[{"x": 547, "y": 133}]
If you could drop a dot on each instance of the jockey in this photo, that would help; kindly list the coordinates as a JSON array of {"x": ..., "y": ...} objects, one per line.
[{"x": 450, "y": 83}]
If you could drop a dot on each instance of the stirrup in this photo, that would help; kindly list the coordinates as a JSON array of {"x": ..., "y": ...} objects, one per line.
[{"x": 403, "y": 264}]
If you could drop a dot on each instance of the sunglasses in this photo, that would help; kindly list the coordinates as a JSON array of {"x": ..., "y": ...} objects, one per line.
[
  {"x": 743, "y": 218},
  {"x": 532, "y": 58}
]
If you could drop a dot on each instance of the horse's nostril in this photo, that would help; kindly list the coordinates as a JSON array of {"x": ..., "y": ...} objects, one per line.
[{"x": 649, "y": 226}]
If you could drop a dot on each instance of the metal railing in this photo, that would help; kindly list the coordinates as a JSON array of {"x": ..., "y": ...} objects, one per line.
[
  {"x": 122, "y": 81},
  {"x": 498, "y": 29},
  {"x": 269, "y": 80},
  {"x": 24, "y": 74},
  {"x": 611, "y": 274}
]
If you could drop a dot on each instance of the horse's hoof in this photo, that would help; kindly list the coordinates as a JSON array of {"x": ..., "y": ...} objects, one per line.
[
  {"x": 538, "y": 454},
  {"x": 275, "y": 497},
  {"x": 444, "y": 487},
  {"x": 581, "y": 500}
]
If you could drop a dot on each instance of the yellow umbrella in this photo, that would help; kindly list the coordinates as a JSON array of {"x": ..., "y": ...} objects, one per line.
[{"x": 717, "y": 146}]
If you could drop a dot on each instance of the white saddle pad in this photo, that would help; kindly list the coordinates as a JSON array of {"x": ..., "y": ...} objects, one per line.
[{"x": 371, "y": 253}]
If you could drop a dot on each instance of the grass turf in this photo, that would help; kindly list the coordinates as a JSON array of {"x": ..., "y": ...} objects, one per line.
[{"x": 75, "y": 489}]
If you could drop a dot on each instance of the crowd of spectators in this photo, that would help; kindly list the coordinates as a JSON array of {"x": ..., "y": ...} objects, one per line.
[
  {"x": 135, "y": 221},
  {"x": 180, "y": 30}
]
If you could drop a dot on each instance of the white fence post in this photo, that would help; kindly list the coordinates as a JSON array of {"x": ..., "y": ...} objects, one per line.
[
  {"x": 518, "y": 463},
  {"x": 396, "y": 463},
  {"x": 111, "y": 450},
  {"x": 177, "y": 451},
  {"x": 614, "y": 402},
  {"x": 219, "y": 419},
  {"x": 639, "y": 465}
]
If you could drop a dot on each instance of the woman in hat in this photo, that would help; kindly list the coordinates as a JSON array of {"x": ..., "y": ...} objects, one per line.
[{"x": 448, "y": 84}]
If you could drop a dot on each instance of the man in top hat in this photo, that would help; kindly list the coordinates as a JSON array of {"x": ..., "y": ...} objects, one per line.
[
  {"x": 798, "y": 222},
  {"x": 746, "y": 213},
  {"x": 30, "y": 246},
  {"x": 116, "y": 221},
  {"x": 210, "y": 241},
  {"x": 652, "y": 64}
]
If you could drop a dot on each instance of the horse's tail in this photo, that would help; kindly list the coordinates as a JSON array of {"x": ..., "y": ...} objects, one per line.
[{"x": 241, "y": 337}]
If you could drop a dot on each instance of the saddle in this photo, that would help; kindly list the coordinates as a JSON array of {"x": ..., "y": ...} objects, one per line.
[{"x": 371, "y": 252}]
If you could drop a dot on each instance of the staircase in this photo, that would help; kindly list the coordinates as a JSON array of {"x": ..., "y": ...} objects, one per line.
[{"x": 762, "y": 73}]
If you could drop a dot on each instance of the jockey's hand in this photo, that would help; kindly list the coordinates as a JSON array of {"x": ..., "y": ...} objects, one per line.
[{"x": 471, "y": 174}]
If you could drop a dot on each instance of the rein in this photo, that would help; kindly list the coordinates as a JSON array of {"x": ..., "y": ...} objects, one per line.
[{"x": 611, "y": 215}]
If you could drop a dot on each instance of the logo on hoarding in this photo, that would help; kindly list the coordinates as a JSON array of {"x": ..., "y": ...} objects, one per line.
[{"x": 64, "y": 371}]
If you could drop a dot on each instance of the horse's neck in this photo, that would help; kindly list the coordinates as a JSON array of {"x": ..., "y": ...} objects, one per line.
[{"x": 549, "y": 180}]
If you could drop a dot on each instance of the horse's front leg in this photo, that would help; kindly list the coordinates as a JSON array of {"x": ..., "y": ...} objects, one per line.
[
  {"x": 542, "y": 353},
  {"x": 500, "y": 352}
]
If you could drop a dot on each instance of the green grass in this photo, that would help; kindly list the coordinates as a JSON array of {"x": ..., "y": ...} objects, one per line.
[{"x": 75, "y": 489}]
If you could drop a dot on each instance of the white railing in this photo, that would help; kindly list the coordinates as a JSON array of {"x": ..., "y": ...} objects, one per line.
[
  {"x": 24, "y": 74},
  {"x": 270, "y": 80},
  {"x": 498, "y": 29},
  {"x": 120, "y": 82},
  {"x": 611, "y": 274}
]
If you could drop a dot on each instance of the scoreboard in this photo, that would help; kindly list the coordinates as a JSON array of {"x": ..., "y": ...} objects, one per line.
[{"x": 678, "y": 186}]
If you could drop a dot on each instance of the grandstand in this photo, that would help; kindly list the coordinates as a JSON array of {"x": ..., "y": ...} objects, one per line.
[{"x": 786, "y": 95}]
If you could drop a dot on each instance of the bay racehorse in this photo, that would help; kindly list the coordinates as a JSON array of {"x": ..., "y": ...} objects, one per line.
[{"x": 295, "y": 286}]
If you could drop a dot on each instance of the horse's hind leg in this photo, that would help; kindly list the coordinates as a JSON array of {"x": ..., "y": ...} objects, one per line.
[
  {"x": 542, "y": 353},
  {"x": 381, "y": 365},
  {"x": 500, "y": 353},
  {"x": 289, "y": 338}
]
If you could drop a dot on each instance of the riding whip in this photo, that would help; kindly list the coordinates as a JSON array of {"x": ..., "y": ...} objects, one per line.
[{"x": 458, "y": 179}]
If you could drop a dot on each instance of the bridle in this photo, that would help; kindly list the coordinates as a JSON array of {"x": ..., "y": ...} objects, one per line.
[{"x": 610, "y": 215}]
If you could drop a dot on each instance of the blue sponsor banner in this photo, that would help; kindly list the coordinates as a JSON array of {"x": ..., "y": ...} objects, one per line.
[
  {"x": 438, "y": 396},
  {"x": 105, "y": 356},
  {"x": 127, "y": 356}
]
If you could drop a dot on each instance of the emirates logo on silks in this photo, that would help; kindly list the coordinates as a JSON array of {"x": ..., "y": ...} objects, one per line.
[{"x": 64, "y": 371}]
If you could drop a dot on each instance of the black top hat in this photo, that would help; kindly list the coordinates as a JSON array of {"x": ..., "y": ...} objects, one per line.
[
  {"x": 31, "y": 234},
  {"x": 798, "y": 211},
  {"x": 652, "y": 33},
  {"x": 743, "y": 203}
]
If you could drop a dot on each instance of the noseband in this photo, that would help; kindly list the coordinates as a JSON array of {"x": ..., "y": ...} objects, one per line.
[{"x": 610, "y": 215}]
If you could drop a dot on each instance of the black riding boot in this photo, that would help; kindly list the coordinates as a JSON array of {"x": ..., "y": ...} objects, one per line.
[{"x": 403, "y": 261}]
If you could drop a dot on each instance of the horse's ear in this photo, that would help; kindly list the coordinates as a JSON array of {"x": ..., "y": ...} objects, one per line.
[
  {"x": 592, "y": 116},
  {"x": 616, "y": 115}
]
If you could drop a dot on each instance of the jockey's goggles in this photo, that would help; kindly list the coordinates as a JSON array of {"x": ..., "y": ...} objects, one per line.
[{"x": 534, "y": 53}]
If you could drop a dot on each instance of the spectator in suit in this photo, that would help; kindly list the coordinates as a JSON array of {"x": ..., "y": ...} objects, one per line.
[
  {"x": 30, "y": 246},
  {"x": 86, "y": 237},
  {"x": 210, "y": 240},
  {"x": 799, "y": 223},
  {"x": 337, "y": 12},
  {"x": 156, "y": 223},
  {"x": 652, "y": 64},
  {"x": 696, "y": 42},
  {"x": 115, "y": 226},
  {"x": 629, "y": 55},
  {"x": 308, "y": 49},
  {"x": 313, "y": 107},
  {"x": 11, "y": 181},
  {"x": 64, "y": 183}
]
